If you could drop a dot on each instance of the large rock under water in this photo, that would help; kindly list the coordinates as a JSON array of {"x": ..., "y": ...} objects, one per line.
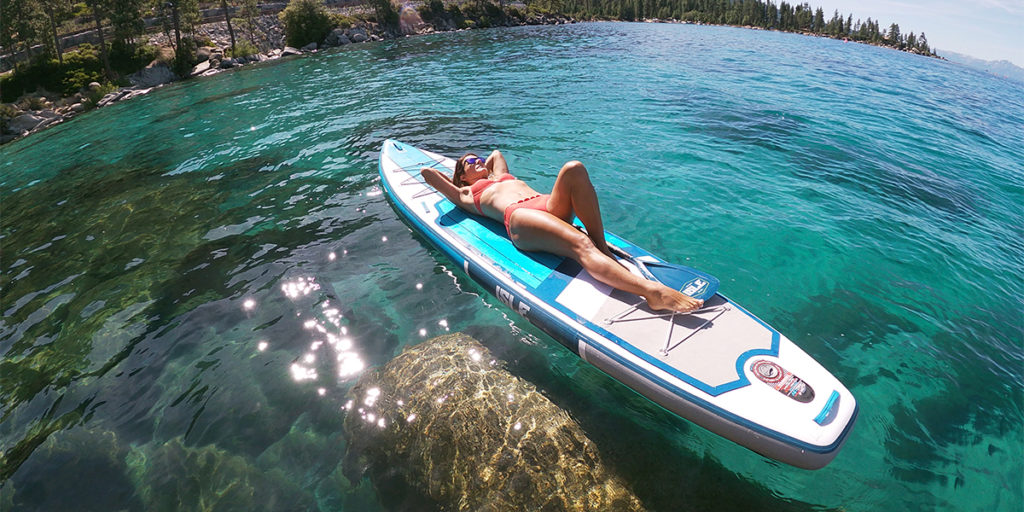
[{"x": 447, "y": 419}]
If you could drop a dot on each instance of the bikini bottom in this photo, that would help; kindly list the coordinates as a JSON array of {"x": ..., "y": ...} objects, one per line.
[{"x": 537, "y": 202}]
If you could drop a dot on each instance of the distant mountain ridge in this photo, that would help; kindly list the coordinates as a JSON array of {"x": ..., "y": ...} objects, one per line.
[{"x": 995, "y": 67}]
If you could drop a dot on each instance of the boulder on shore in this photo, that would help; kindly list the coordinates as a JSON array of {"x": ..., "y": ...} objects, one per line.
[
  {"x": 113, "y": 97},
  {"x": 156, "y": 73},
  {"x": 200, "y": 68},
  {"x": 24, "y": 123},
  {"x": 204, "y": 53},
  {"x": 358, "y": 35},
  {"x": 337, "y": 37}
]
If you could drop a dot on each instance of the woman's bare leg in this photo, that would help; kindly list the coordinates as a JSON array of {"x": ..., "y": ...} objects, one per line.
[
  {"x": 534, "y": 230},
  {"x": 573, "y": 193}
]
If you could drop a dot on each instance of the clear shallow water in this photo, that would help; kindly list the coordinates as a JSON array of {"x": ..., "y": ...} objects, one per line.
[{"x": 168, "y": 263}]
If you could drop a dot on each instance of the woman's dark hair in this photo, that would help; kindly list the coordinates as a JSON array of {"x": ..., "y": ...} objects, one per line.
[{"x": 460, "y": 170}]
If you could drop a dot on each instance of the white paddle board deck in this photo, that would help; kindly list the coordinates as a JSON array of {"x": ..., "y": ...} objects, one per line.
[{"x": 722, "y": 368}]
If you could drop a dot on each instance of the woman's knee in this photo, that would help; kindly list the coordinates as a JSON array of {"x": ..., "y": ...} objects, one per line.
[
  {"x": 581, "y": 245},
  {"x": 573, "y": 168}
]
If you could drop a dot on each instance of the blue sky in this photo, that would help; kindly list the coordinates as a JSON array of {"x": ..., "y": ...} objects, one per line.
[{"x": 986, "y": 29}]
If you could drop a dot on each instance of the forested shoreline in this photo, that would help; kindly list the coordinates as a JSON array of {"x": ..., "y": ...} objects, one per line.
[
  {"x": 786, "y": 17},
  {"x": 50, "y": 76}
]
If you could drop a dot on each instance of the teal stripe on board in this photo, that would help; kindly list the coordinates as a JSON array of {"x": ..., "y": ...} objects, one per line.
[{"x": 484, "y": 236}]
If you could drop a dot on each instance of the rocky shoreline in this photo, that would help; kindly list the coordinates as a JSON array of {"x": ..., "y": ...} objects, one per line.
[{"x": 35, "y": 113}]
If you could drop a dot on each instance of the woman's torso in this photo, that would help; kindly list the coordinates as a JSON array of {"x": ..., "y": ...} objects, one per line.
[{"x": 499, "y": 194}]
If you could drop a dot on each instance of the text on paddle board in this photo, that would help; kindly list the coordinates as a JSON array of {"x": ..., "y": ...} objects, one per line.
[{"x": 509, "y": 300}]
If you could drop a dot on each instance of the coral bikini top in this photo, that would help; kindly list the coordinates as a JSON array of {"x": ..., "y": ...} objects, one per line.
[{"x": 479, "y": 186}]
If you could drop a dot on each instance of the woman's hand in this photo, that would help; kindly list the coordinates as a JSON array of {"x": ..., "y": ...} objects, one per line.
[
  {"x": 496, "y": 163},
  {"x": 430, "y": 170},
  {"x": 462, "y": 197}
]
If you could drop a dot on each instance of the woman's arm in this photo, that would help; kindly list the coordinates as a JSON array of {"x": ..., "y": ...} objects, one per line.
[
  {"x": 462, "y": 197},
  {"x": 496, "y": 163}
]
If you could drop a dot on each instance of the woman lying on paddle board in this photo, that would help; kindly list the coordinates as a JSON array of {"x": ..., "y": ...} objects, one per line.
[{"x": 542, "y": 222}]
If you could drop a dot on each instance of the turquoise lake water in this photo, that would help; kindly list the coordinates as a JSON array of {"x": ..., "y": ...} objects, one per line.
[{"x": 168, "y": 263}]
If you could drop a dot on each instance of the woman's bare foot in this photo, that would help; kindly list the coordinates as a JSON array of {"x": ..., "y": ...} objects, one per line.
[{"x": 664, "y": 298}]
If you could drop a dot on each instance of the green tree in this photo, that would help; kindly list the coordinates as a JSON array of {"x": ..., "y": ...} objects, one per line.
[
  {"x": 126, "y": 21},
  {"x": 172, "y": 21},
  {"x": 773, "y": 16},
  {"x": 894, "y": 38},
  {"x": 922, "y": 45},
  {"x": 227, "y": 19},
  {"x": 97, "y": 7},
  {"x": 804, "y": 17},
  {"x": 305, "y": 21},
  {"x": 21, "y": 25},
  {"x": 56, "y": 12},
  {"x": 250, "y": 11},
  {"x": 835, "y": 25},
  {"x": 188, "y": 15},
  {"x": 386, "y": 14}
]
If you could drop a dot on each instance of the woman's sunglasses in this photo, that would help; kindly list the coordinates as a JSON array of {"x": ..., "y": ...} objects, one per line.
[{"x": 473, "y": 160}]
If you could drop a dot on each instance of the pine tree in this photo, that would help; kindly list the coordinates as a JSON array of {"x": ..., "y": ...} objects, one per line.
[
  {"x": 126, "y": 21},
  {"x": 894, "y": 36},
  {"x": 835, "y": 25},
  {"x": 56, "y": 12},
  {"x": 250, "y": 11},
  {"x": 21, "y": 25},
  {"x": 97, "y": 15},
  {"x": 227, "y": 19}
]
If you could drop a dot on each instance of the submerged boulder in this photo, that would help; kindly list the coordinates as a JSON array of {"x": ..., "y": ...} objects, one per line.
[
  {"x": 174, "y": 476},
  {"x": 449, "y": 421},
  {"x": 66, "y": 472}
]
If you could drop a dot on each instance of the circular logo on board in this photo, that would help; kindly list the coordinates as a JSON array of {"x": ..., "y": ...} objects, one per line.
[
  {"x": 768, "y": 371},
  {"x": 783, "y": 381}
]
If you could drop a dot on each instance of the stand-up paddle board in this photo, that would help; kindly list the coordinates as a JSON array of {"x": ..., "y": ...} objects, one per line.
[{"x": 720, "y": 367}]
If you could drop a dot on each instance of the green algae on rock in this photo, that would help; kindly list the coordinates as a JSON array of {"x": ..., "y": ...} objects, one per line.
[
  {"x": 173, "y": 476},
  {"x": 446, "y": 419},
  {"x": 77, "y": 469}
]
